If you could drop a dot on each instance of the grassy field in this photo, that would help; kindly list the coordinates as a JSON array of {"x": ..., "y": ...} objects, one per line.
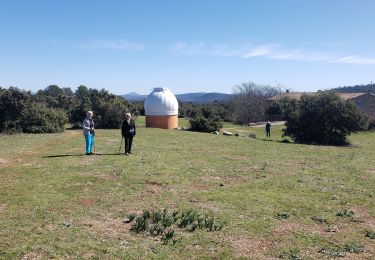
[{"x": 275, "y": 199}]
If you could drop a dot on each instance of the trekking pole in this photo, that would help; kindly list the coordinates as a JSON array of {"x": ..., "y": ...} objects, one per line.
[{"x": 122, "y": 138}]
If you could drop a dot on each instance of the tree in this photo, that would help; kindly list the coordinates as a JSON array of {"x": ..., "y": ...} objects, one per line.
[
  {"x": 51, "y": 91},
  {"x": 324, "y": 118},
  {"x": 109, "y": 109},
  {"x": 249, "y": 101},
  {"x": 68, "y": 92},
  {"x": 12, "y": 103}
]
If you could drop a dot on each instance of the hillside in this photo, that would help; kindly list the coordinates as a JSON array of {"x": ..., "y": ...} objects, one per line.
[
  {"x": 356, "y": 89},
  {"x": 275, "y": 199}
]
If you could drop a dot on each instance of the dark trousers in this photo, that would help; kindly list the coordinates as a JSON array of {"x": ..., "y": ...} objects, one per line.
[
  {"x": 128, "y": 144},
  {"x": 268, "y": 133}
]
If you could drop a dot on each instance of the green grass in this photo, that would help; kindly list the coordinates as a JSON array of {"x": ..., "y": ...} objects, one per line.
[{"x": 57, "y": 203}]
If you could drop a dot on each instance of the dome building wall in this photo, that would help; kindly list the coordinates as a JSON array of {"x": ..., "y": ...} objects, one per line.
[{"x": 161, "y": 109}]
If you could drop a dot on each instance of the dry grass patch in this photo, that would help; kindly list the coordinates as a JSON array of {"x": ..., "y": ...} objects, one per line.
[
  {"x": 33, "y": 256},
  {"x": 253, "y": 248},
  {"x": 107, "y": 227}
]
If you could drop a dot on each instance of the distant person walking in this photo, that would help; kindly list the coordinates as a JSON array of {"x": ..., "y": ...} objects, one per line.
[
  {"x": 268, "y": 129},
  {"x": 128, "y": 131},
  {"x": 89, "y": 131}
]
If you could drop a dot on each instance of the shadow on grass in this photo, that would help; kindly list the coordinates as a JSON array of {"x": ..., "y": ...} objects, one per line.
[
  {"x": 80, "y": 155},
  {"x": 277, "y": 141}
]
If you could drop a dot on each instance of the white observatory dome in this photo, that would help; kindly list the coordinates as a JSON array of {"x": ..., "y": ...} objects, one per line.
[{"x": 161, "y": 102}]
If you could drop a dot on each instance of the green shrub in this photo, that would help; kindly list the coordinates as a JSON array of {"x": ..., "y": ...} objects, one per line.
[
  {"x": 345, "y": 213},
  {"x": 202, "y": 124},
  {"x": 370, "y": 234},
  {"x": 282, "y": 215},
  {"x": 12, "y": 103},
  {"x": 161, "y": 223},
  {"x": 324, "y": 118},
  {"x": 38, "y": 118},
  {"x": 354, "y": 248},
  {"x": 320, "y": 220},
  {"x": 292, "y": 254},
  {"x": 334, "y": 251}
]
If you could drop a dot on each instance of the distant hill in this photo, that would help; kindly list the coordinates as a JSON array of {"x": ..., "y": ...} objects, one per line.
[
  {"x": 197, "y": 97},
  {"x": 133, "y": 96},
  {"x": 190, "y": 97},
  {"x": 356, "y": 89},
  {"x": 212, "y": 97}
]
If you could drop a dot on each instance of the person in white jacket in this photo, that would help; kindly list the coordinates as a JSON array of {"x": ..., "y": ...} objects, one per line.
[{"x": 89, "y": 132}]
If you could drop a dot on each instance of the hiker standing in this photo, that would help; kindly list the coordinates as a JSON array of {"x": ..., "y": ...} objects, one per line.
[
  {"x": 128, "y": 132},
  {"x": 268, "y": 129},
  {"x": 89, "y": 131}
]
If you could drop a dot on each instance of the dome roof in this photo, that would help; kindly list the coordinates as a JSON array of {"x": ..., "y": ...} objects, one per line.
[{"x": 161, "y": 102}]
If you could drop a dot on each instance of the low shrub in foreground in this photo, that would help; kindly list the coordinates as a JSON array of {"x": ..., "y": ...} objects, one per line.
[{"x": 163, "y": 223}]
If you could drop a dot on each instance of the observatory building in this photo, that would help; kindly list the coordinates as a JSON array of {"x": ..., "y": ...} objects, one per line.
[{"x": 161, "y": 109}]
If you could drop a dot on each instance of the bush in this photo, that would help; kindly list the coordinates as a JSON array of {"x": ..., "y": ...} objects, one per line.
[
  {"x": 324, "y": 118},
  {"x": 38, "y": 118},
  {"x": 12, "y": 103},
  {"x": 202, "y": 124}
]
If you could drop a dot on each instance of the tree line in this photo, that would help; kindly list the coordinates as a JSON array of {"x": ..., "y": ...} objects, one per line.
[
  {"x": 322, "y": 118},
  {"x": 50, "y": 109}
]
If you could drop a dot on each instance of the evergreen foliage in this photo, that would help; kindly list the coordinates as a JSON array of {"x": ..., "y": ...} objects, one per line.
[
  {"x": 202, "y": 124},
  {"x": 323, "y": 118},
  {"x": 205, "y": 118},
  {"x": 38, "y": 118},
  {"x": 50, "y": 109}
]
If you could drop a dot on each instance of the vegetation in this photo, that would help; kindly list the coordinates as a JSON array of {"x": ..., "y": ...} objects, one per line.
[
  {"x": 55, "y": 202},
  {"x": 250, "y": 102},
  {"x": 356, "y": 89},
  {"x": 203, "y": 124},
  {"x": 50, "y": 109},
  {"x": 163, "y": 223},
  {"x": 21, "y": 112},
  {"x": 324, "y": 118}
]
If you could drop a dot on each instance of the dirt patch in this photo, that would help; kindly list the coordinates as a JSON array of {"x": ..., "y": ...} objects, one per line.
[
  {"x": 155, "y": 188},
  {"x": 199, "y": 187},
  {"x": 364, "y": 217},
  {"x": 107, "y": 227},
  {"x": 254, "y": 248},
  {"x": 3, "y": 162},
  {"x": 87, "y": 202},
  {"x": 33, "y": 255},
  {"x": 2, "y": 207},
  {"x": 287, "y": 228}
]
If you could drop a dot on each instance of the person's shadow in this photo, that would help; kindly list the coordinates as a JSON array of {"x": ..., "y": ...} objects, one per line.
[{"x": 79, "y": 155}]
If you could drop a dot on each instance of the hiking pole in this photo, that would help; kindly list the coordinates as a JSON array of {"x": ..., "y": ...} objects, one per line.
[{"x": 122, "y": 138}]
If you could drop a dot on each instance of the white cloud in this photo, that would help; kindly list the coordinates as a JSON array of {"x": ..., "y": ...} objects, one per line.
[
  {"x": 116, "y": 45},
  {"x": 263, "y": 50},
  {"x": 269, "y": 51},
  {"x": 354, "y": 60}
]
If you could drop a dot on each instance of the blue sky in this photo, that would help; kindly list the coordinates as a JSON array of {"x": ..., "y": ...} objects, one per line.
[{"x": 187, "y": 46}]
